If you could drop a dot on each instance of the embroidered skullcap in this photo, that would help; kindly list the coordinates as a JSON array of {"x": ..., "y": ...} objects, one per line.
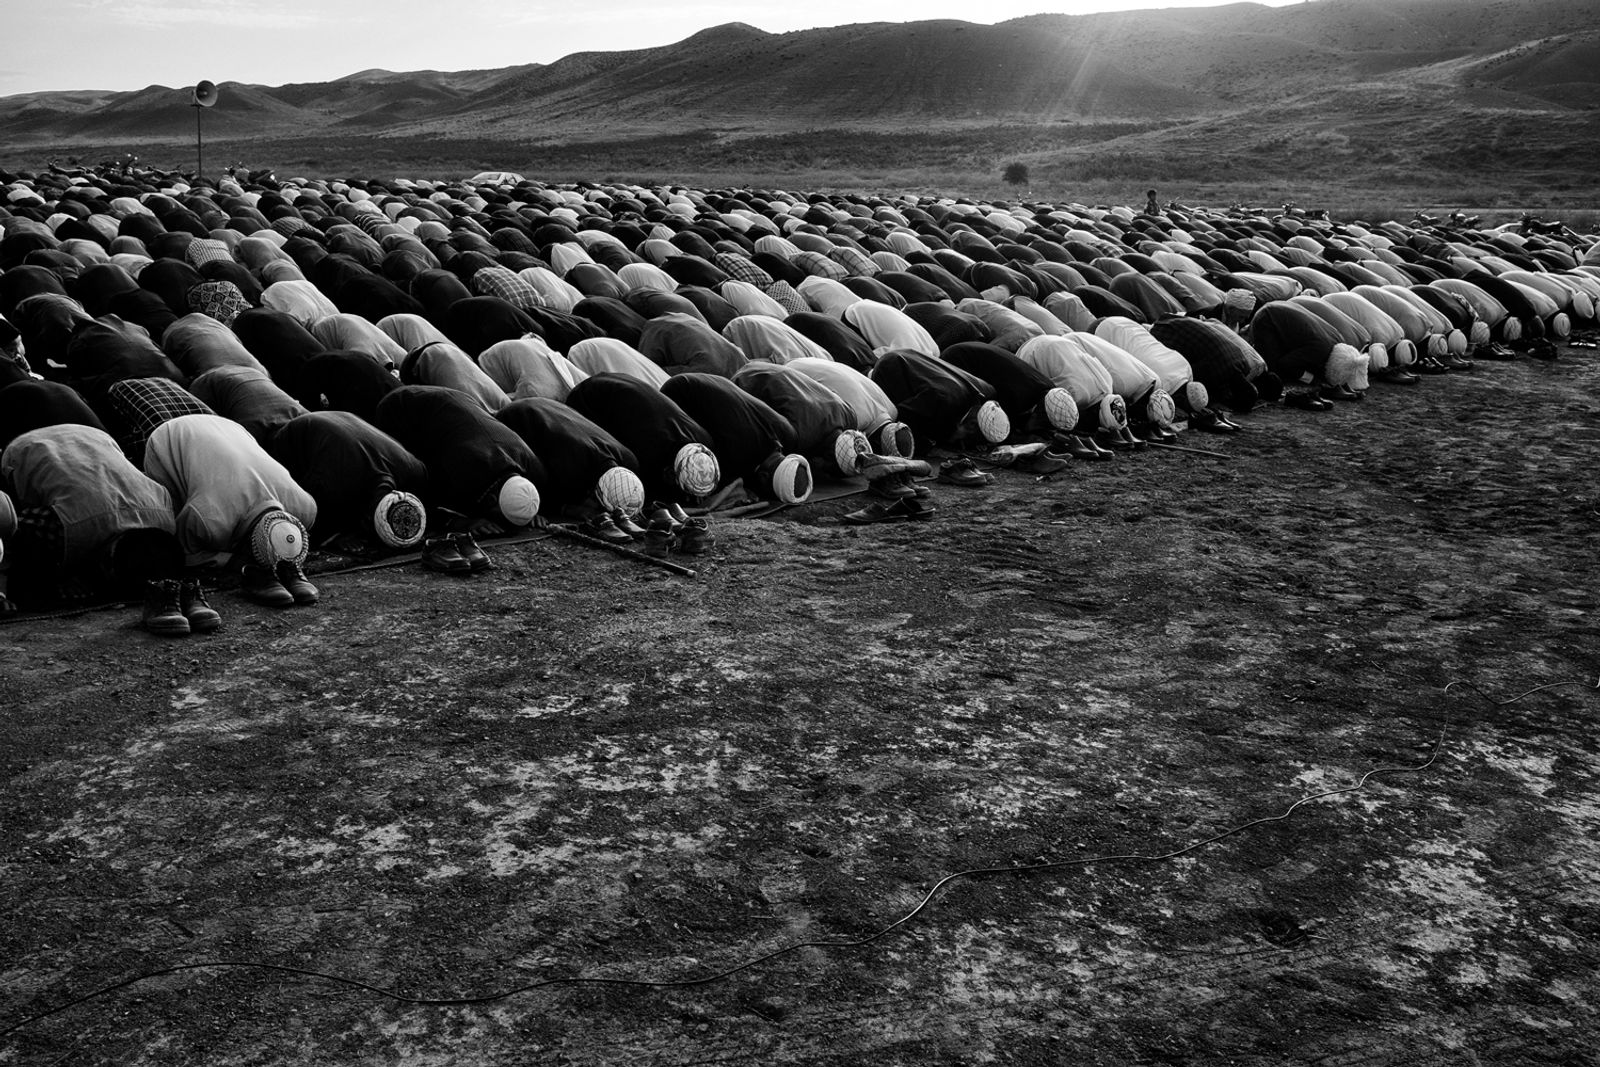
[
  {"x": 221, "y": 300},
  {"x": 399, "y": 520},
  {"x": 278, "y": 535}
]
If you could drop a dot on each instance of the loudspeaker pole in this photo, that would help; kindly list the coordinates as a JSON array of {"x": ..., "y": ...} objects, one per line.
[{"x": 202, "y": 96}]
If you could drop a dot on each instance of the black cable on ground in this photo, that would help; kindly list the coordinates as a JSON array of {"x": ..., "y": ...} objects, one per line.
[{"x": 755, "y": 961}]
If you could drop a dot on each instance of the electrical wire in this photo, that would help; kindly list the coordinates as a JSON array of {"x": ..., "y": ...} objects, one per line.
[{"x": 795, "y": 946}]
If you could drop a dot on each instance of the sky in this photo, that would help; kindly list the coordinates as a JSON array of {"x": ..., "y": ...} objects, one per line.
[{"x": 131, "y": 44}]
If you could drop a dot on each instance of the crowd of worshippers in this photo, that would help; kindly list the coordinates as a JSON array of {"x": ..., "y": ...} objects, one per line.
[{"x": 229, "y": 374}]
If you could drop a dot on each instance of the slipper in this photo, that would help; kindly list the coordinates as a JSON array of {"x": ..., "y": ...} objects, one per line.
[{"x": 878, "y": 512}]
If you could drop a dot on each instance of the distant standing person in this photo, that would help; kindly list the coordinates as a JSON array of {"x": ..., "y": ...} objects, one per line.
[{"x": 1151, "y": 206}]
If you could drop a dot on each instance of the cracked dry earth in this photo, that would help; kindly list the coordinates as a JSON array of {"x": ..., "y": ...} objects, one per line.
[{"x": 580, "y": 765}]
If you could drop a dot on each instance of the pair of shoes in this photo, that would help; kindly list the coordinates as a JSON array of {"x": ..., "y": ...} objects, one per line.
[
  {"x": 283, "y": 587},
  {"x": 906, "y": 508},
  {"x": 872, "y": 466},
  {"x": 1340, "y": 392},
  {"x": 1214, "y": 422},
  {"x": 695, "y": 537},
  {"x": 658, "y": 514},
  {"x": 661, "y": 536},
  {"x": 878, "y": 511},
  {"x": 454, "y": 554},
  {"x": 1010, "y": 455},
  {"x": 603, "y": 527},
  {"x": 163, "y": 609},
  {"x": 892, "y": 487},
  {"x": 1306, "y": 401},
  {"x": 203, "y": 618},
  {"x": 1401, "y": 376},
  {"x": 292, "y": 578},
  {"x": 1429, "y": 365},
  {"x": 261, "y": 585},
  {"x": 477, "y": 559},
  {"x": 962, "y": 471},
  {"x": 1080, "y": 447},
  {"x": 1042, "y": 464},
  {"x": 624, "y": 522},
  {"x": 1159, "y": 434}
]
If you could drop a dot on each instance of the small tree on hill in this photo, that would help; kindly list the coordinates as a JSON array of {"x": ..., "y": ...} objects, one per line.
[{"x": 1016, "y": 173}]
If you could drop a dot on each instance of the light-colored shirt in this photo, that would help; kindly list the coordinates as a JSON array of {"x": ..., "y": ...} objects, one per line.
[
  {"x": 446, "y": 365},
  {"x": 765, "y": 338},
  {"x": 81, "y": 474},
  {"x": 603, "y": 355},
  {"x": 871, "y": 405},
  {"x": 296, "y": 297},
  {"x": 1011, "y": 330},
  {"x": 529, "y": 367},
  {"x": 1131, "y": 337},
  {"x": 1068, "y": 365},
  {"x": 221, "y": 480},
  {"x": 198, "y": 343},
  {"x": 358, "y": 335},
  {"x": 887, "y": 328}
]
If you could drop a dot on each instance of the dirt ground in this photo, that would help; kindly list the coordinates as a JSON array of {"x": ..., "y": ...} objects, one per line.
[{"x": 581, "y": 765}]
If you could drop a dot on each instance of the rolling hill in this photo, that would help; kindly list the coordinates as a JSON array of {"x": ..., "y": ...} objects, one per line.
[{"x": 1331, "y": 82}]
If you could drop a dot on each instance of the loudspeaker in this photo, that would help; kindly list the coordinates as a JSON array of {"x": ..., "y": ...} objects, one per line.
[{"x": 205, "y": 94}]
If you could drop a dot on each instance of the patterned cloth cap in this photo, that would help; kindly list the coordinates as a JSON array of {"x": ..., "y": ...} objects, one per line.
[{"x": 222, "y": 301}]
